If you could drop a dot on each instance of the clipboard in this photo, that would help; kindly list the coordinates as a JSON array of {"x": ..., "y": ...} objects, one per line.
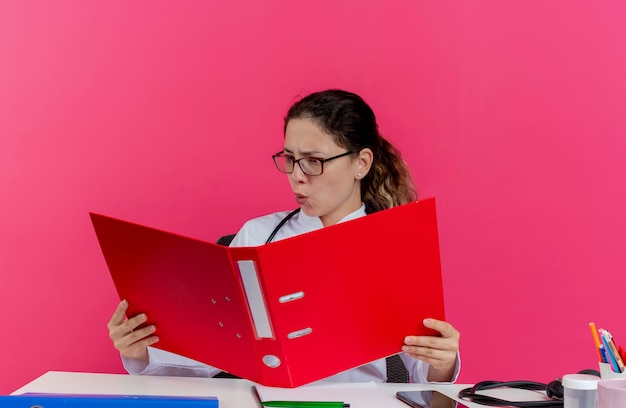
[{"x": 289, "y": 312}]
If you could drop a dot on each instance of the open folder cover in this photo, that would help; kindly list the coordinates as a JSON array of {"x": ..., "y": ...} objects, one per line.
[{"x": 289, "y": 312}]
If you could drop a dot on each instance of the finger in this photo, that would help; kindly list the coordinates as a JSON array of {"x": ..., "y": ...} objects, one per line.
[
  {"x": 435, "y": 357},
  {"x": 428, "y": 345},
  {"x": 138, "y": 350},
  {"x": 429, "y": 352},
  {"x": 443, "y": 327},
  {"x": 116, "y": 333},
  {"x": 130, "y": 338},
  {"x": 135, "y": 322},
  {"x": 431, "y": 342},
  {"x": 118, "y": 315}
]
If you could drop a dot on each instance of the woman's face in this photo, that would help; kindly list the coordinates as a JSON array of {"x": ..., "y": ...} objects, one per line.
[{"x": 335, "y": 193}]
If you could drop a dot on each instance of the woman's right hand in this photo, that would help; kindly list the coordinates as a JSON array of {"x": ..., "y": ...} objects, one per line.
[{"x": 131, "y": 341}]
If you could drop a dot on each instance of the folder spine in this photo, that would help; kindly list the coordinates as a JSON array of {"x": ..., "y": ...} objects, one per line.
[{"x": 270, "y": 355}]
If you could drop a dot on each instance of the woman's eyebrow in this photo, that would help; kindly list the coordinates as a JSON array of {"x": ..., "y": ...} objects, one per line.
[{"x": 305, "y": 153}]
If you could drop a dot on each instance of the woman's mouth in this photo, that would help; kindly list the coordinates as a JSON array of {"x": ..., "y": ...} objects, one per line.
[{"x": 301, "y": 199}]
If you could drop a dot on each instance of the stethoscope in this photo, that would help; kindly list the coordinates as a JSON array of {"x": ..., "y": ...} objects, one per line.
[{"x": 281, "y": 223}]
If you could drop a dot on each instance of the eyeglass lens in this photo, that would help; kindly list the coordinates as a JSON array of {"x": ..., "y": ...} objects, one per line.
[{"x": 310, "y": 166}]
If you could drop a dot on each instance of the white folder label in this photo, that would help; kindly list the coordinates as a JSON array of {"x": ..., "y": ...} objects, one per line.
[{"x": 254, "y": 295}]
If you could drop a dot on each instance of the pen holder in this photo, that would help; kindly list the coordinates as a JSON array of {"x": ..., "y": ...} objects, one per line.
[{"x": 607, "y": 372}]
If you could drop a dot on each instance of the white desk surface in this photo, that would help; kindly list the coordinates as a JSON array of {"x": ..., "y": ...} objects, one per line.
[{"x": 231, "y": 393}]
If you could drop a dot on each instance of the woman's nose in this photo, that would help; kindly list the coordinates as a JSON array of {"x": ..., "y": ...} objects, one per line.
[{"x": 298, "y": 174}]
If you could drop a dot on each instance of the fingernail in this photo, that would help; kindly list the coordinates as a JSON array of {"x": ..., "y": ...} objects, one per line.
[
  {"x": 152, "y": 329},
  {"x": 124, "y": 302},
  {"x": 427, "y": 322}
]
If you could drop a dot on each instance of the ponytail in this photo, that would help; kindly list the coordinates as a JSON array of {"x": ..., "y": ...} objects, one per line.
[{"x": 388, "y": 183}]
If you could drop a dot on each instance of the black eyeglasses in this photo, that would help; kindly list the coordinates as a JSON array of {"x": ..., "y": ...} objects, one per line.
[{"x": 311, "y": 166}]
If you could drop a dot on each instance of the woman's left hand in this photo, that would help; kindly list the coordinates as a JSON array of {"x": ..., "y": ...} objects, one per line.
[{"x": 439, "y": 352}]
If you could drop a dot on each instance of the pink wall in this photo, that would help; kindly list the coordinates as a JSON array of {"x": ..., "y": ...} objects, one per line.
[{"x": 166, "y": 113}]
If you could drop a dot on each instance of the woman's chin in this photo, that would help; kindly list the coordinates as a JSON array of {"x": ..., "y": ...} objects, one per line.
[{"x": 309, "y": 211}]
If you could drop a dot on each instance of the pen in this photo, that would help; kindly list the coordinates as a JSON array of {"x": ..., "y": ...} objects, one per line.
[
  {"x": 297, "y": 404},
  {"x": 305, "y": 404},
  {"x": 610, "y": 357},
  {"x": 604, "y": 359},
  {"x": 594, "y": 333},
  {"x": 606, "y": 335}
]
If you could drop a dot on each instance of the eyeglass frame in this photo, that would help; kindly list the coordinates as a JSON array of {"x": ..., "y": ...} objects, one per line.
[{"x": 322, "y": 161}]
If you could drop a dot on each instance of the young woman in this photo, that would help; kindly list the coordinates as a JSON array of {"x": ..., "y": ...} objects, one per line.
[{"x": 339, "y": 168}]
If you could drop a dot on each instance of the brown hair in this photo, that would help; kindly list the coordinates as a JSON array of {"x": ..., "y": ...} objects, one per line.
[{"x": 352, "y": 124}]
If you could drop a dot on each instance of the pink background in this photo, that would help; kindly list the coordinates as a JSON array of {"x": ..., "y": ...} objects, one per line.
[{"x": 166, "y": 113}]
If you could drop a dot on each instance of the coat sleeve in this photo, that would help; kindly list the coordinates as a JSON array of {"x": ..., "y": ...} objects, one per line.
[{"x": 169, "y": 364}]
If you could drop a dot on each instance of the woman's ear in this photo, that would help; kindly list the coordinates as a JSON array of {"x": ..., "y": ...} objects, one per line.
[{"x": 364, "y": 163}]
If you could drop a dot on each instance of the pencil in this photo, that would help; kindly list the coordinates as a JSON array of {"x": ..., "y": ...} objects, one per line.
[{"x": 596, "y": 340}]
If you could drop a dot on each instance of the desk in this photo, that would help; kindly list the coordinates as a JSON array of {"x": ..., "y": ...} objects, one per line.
[{"x": 231, "y": 393}]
